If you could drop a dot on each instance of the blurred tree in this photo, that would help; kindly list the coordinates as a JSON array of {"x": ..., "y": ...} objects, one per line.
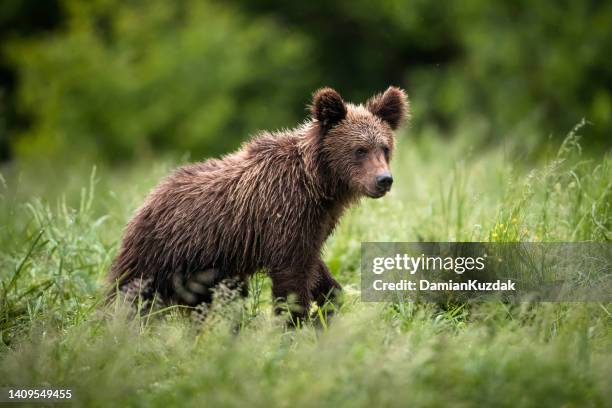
[
  {"x": 520, "y": 67},
  {"x": 541, "y": 63},
  {"x": 120, "y": 78},
  {"x": 128, "y": 77},
  {"x": 19, "y": 18}
]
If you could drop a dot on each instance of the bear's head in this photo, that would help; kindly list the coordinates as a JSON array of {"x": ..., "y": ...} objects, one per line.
[{"x": 357, "y": 141}]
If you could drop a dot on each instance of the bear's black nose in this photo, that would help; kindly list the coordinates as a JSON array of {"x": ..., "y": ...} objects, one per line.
[{"x": 384, "y": 181}]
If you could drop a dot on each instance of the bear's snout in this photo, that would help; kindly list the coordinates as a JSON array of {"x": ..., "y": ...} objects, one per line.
[{"x": 384, "y": 181}]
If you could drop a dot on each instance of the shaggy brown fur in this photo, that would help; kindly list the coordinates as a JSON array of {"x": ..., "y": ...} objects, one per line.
[{"x": 271, "y": 206}]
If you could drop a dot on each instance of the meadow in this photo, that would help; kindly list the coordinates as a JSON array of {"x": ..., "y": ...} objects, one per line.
[{"x": 60, "y": 226}]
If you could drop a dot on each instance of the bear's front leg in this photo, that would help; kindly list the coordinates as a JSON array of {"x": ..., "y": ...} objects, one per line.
[
  {"x": 292, "y": 289},
  {"x": 327, "y": 293},
  {"x": 326, "y": 288}
]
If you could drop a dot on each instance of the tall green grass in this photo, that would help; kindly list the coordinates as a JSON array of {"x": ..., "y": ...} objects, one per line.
[{"x": 56, "y": 250}]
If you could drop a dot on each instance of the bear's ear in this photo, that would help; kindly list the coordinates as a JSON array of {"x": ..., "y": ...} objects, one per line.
[
  {"x": 327, "y": 108},
  {"x": 391, "y": 106}
]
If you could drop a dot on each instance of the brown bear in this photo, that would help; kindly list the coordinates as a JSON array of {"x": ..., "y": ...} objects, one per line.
[{"x": 269, "y": 206}]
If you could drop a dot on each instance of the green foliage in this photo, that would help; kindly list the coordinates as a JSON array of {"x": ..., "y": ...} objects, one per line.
[
  {"x": 119, "y": 79},
  {"x": 541, "y": 64},
  {"x": 56, "y": 253},
  {"x": 122, "y": 77},
  {"x": 527, "y": 69}
]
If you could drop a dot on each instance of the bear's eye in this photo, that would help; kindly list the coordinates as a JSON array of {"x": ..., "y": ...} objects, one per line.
[
  {"x": 360, "y": 153},
  {"x": 386, "y": 152}
]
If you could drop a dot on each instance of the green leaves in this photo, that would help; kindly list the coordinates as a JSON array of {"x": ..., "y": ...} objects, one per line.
[{"x": 127, "y": 78}]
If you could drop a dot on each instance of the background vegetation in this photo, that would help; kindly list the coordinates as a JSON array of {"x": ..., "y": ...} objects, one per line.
[
  {"x": 100, "y": 99},
  {"x": 121, "y": 79}
]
